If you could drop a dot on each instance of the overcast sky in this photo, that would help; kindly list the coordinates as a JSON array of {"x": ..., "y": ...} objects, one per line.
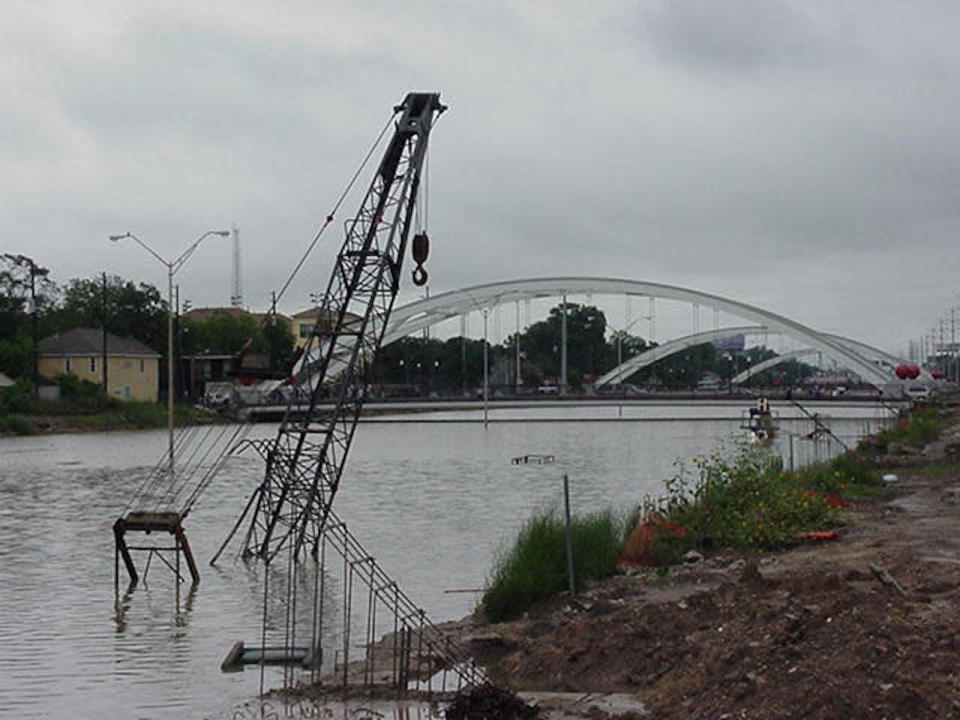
[{"x": 801, "y": 156}]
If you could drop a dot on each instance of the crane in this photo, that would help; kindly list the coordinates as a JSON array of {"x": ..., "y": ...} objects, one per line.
[{"x": 305, "y": 461}]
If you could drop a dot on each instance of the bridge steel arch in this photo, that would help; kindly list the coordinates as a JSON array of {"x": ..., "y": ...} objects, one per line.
[
  {"x": 421, "y": 314},
  {"x": 641, "y": 360},
  {"x": 868, "y": 351},
  {"x": 649, "y": 357},
  {"x": 769, "y": 363}
]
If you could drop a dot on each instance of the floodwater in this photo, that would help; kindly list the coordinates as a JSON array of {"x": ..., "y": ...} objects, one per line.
[{"x": 432, "y": 497}]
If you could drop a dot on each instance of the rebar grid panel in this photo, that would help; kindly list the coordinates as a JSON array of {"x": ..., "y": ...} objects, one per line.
[
  {"x": 305, "y": 464},
  {"x": 365, "y": 633}
]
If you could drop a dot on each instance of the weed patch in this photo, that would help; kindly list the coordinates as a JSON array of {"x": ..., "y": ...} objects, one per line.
[
  {"x": 745, "y": 500},
  {"x": 914, "y": 431}
]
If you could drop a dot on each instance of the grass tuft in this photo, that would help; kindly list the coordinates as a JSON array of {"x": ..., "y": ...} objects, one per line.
[{"x": 535, "y": 566}]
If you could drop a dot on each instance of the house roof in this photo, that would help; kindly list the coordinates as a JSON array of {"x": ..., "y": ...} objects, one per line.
[
  {"x": 89, "y": 341},
  {"x": 201, "y": 314},
  {"x": 314, "y": 313},
  {"x": 5, "y": 380}
]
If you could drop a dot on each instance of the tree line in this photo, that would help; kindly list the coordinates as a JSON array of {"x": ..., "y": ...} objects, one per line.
[
  {"x": 419, "y": 365},
  {"x": 33, "y": 306}
]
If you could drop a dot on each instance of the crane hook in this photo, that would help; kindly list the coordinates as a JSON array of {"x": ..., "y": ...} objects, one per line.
[{"x": 421, "y": 251}]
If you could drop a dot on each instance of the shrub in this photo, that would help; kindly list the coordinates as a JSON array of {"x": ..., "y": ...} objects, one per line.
[
  {"x": 143, "y": 414},
  {"x": 16, "y": 424},
  {"x": 535, "y": 566},
  {"x": 82, "y": 395},
  {"x": 744, "y": 501},
  {"x": 915, "y": 430},
  {"x": 847, "y": 475},
  {"x": 18, "y": 398}
]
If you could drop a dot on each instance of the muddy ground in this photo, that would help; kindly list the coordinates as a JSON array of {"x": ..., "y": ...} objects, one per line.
[{"x": 817, "y": 632}]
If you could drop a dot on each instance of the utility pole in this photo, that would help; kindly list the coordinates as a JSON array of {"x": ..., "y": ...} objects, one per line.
[
  {"x": 236, "y": 293},
  {"x": 486, "y": 371},
  {"x": 178, "y": 371},
  {"x": 563, "y": 345},
  {"x": 953, "y": 340},
  {"x": 463, "y": 353},
  {"x": 103, "y": 331},
  {"x": 274, "y": 355},
  {"x": 33, "y": 328},
  {"x": 519, "y": 377}
]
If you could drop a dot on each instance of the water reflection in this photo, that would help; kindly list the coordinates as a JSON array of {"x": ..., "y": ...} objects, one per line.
[{"x": 182, "y": 604}]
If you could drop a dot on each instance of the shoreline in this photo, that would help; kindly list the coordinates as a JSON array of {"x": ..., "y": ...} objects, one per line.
[
  {"x": 111, "y": 419},
  {"x": 863, "y": 626},
  {"x": 104, "y": 421}
]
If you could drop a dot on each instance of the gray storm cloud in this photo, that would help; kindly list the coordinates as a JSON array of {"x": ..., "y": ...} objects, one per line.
[{"x": 801, "y": 156}]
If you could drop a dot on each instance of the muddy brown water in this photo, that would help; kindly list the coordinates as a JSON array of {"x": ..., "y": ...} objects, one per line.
[{"x": 433, "y": 501}]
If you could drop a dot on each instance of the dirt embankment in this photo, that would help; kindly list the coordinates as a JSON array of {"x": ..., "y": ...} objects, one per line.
[{"x": 867, "y": 626}]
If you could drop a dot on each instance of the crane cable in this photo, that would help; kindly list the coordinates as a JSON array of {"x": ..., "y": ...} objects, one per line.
[
  {"x": 336, "y": 207},
  {"x": 156, "y": 478}
]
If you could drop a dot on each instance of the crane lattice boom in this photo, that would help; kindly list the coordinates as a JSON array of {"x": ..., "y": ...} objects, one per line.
[{"x": 305, "y": 463}]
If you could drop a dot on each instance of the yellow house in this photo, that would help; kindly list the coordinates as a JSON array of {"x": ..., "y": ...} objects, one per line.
[
  {"x": 304, "y": 324},
  {"x": 133, "y": 369}
]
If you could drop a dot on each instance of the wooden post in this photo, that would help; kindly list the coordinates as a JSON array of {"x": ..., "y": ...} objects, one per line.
[
  {"x": 120, "y": 544},
  {"x": 187, "y": 554}
]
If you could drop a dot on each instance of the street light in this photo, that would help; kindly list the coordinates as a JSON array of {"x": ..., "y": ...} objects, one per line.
[{"x": 173, "y": 266}]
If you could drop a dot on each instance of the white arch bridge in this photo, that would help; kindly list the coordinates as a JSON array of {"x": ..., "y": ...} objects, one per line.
[{"x": 872, "y": 365}]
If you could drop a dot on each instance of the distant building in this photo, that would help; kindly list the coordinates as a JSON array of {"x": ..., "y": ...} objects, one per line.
[
  {"x": 133, "y": 369},
  {"x": 303, "y": 324},
  {"x": 217, "y": 368},
  {"x": 202, "y": 314}
]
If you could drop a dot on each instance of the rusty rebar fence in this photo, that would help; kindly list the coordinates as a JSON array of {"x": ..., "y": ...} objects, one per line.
[{"x": 345, "y": 625}]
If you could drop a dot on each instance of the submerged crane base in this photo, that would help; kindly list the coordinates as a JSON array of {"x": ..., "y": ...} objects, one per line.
[{"x": 148, "y": 522}]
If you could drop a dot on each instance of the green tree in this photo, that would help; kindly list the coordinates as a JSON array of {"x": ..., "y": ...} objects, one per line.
[
  {"x": 277, "y": 342},
  {"x": 223, "y": 333},
  {"x": 230, "y": 333},
  {"x": 25, "y": 292},
  {"x": 125, "y": 308},
  {"x": 587, "y": 350},
  {"x": 432, "y": 365},
  {"x": 683, "y": 370}
]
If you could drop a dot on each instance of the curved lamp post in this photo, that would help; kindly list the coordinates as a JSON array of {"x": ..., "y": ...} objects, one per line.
[{"x": 173, "y": 266}]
